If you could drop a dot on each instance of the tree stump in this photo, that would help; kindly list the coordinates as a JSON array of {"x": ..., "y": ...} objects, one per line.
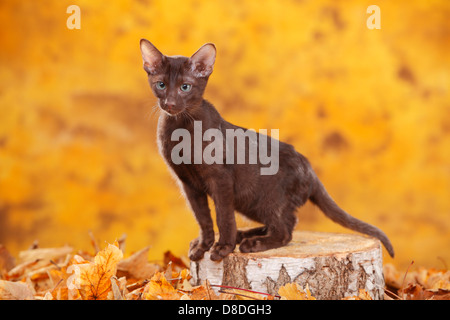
[{"x": 333, "y": 265}]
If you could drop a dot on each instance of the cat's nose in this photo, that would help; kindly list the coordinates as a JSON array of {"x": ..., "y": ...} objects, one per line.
[{"x": 170, "y": 108}]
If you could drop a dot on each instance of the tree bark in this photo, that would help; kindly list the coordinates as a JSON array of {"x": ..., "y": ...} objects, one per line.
[{"x": 333, "y": 265}]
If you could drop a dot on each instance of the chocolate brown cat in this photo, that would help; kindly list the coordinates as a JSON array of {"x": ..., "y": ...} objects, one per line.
[{"x": 234, "y": 185}]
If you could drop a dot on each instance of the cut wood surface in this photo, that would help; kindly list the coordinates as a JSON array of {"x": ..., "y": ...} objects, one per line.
[{"x": 333, "y": 265}]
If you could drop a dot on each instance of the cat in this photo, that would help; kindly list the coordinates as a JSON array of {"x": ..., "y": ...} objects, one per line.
[{"x": 179, "y": 83}]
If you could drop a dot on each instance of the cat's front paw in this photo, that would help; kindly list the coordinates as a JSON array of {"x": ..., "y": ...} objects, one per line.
[
  {"x": 197, "y": 249},
  {"x": 220, "y": 251}
]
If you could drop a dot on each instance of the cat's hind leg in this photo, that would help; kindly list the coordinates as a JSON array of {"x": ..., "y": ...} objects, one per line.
[
  {"x": 272, "y": 240},
  {"x": 243, "y": 234},
  {"x": 278, "y": 233}
]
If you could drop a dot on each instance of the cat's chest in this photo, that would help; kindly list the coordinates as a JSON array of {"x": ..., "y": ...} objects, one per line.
[{"x": 174, "y": 143}]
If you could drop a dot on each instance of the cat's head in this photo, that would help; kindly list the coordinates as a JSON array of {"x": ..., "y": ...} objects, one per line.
[{"x": 178, "y": 82}]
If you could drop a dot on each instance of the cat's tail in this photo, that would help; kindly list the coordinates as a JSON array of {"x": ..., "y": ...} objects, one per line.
[{"x": 323, "y": 200}]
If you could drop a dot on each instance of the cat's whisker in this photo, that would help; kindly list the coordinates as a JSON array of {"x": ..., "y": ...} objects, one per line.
[
  {"x": 150, "y": 109},
  {"x": 155, "y": 109},
  {"x": 152, "y": 112}
]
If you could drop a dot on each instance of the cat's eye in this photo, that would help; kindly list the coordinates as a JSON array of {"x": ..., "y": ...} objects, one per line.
[
  {"x": 160, "y": 85},
  {"x": 186, "y": 87}
]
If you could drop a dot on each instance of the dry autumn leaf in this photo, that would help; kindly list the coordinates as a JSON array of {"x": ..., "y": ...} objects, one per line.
[
  {"x": 118, "y": 287},
  {"x": 174, "y": 261},
  {"x": 158, "y": 288},
  {"x": 10, "y": 290},
  {"x": 44, "y": 254},
  {"x": 203, "y": 292},
  {"x": 137, "y": 266},
  {"x": 293, "y": 291},
  {"x": 418, "y": 292},
  {"x": 362, "y": 295},
  {"x": 420, "y": 284},
  {"x": 7, "y": 261},
  {"x": 58, "y": 274},
  {"x": 439, "y": 280},
  {"x": 94, "y": 279}
]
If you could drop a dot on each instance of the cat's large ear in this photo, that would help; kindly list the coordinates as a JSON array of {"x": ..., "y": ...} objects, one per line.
[
  {"x": 153, "y": 59},
  {"x": 202, "y": 62}
]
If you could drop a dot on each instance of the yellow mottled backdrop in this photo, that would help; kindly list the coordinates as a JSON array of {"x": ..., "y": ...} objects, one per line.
[{"x": 369, "y": 108}]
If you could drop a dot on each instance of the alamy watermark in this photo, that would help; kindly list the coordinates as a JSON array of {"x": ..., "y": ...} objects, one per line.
[
  {"x": 374, "y": 20},
  {"x": 241, "y": 146},
  {"x": 74, "y": 20}
]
